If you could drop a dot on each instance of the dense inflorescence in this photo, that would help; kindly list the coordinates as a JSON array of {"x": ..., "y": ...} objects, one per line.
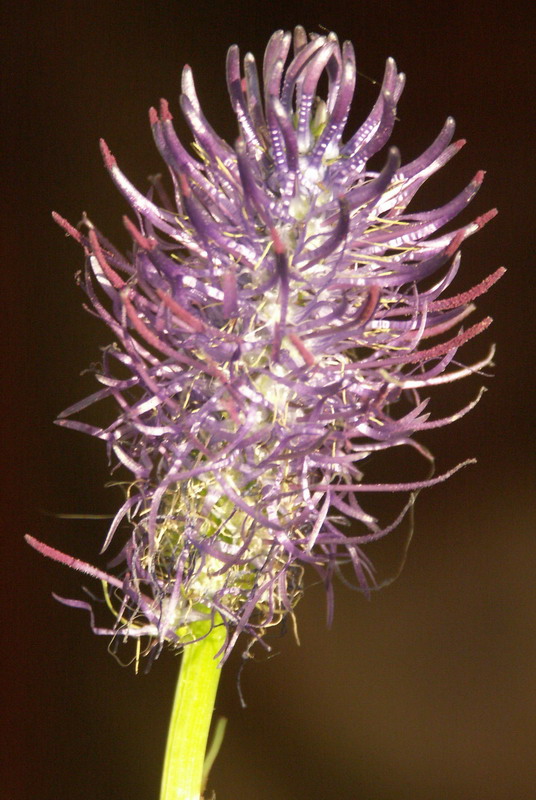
[{"x": 267, "y": 321}]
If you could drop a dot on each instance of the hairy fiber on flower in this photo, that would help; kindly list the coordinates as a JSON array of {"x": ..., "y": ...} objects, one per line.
[{"x": 267, "y": 320}]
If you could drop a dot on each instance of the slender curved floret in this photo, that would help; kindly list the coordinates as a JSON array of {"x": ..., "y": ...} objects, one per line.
[{"x": 267, "y": 321}]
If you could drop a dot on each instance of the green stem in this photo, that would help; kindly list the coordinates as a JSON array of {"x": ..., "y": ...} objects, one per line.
[{"x": 189, "y": 726}]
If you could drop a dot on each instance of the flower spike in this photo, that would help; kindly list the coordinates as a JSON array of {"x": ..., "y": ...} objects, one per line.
[{"x": 265, "y": 327}]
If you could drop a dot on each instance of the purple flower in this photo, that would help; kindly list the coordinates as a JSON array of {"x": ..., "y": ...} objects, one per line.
[{"x": 266, "y": 322}]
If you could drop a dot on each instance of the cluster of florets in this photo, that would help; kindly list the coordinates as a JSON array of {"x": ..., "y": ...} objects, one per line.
[{"x": 266, "y": 322}]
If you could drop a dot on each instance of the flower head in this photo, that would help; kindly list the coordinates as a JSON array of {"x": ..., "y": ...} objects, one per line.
[{"x": 267, "y": 320}]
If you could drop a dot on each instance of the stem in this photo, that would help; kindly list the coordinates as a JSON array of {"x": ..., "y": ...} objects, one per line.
[{"x": 193, "y": 705}]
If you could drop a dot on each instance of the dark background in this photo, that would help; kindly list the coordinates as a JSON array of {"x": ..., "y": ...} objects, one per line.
[{"x": 428, "y": 690}]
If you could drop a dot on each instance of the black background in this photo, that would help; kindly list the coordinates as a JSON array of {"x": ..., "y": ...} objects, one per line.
[{"x": 428, "y": 690}]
